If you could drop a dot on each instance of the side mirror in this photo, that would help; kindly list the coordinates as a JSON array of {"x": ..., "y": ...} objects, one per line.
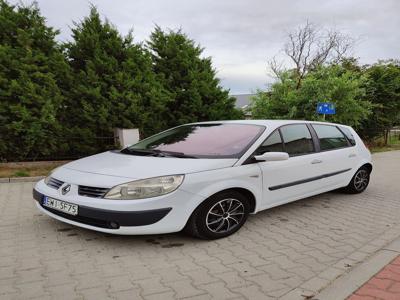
[{"x": 272, "y": 156}]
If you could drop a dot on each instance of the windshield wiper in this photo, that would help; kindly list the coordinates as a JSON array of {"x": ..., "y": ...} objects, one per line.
[
  {"x": 156, "y": 152},
  {"x": 137, "y": 151},
  {"x": 172, "y": 153}
]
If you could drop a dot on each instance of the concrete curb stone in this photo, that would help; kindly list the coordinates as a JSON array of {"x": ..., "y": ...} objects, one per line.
[
  {"x": 344, "y": 286},
  {"x": 23, "y": 179}
]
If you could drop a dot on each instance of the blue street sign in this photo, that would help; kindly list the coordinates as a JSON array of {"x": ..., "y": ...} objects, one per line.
[{"x": 326, "y": 108}]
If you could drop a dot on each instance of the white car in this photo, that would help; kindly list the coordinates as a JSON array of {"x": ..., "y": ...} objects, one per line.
[{"x": 205, "y": 178}]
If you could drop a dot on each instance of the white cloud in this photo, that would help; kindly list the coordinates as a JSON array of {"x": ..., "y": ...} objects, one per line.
[{"x": 241, "y": 35}]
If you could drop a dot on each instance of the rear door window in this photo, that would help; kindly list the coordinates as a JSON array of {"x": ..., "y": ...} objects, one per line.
[
  {"x": 330, "y": 137},
  {"x": 297, "y": 139}
]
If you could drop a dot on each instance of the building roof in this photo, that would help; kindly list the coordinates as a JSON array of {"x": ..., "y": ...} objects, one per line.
[{"x": 243, "y": 100}]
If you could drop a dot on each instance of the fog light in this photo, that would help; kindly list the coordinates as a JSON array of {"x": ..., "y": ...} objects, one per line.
[{"x": 114, "y": 225}]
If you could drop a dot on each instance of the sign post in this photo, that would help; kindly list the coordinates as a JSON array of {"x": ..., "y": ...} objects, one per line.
[{"x": 326, "y": 108}]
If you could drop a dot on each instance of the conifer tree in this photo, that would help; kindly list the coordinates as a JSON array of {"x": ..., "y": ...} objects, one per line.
[
  {"x": 190, "y": 79},
  {"x": 31, "y": 65},
  {"x": 114, "y": 85}
]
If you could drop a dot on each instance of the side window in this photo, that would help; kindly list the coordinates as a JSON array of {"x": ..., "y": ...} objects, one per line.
[
  {"x": 297, "y": 139},
  {"x": 272, "y": 144},
  {"x": 349, "y": 135},
  {"x": 330, "y": 137}
]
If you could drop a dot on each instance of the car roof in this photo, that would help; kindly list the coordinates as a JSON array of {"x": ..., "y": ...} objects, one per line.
[{"x": 268, "y": 123}]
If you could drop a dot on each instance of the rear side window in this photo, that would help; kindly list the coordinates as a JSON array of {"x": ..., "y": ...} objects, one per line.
[
  {"x": 349, "y": 135},
  {"x": 330, "y": 137},
  {"x": 272, "y": 144},
  {"x": 297, "y": 139}
]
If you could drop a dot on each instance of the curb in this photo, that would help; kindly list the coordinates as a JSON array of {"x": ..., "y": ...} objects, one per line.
[
  {"x": 316, "y": 287},
  {"x": 346, "y": 285},
  {"x": 21, "y": 179}
]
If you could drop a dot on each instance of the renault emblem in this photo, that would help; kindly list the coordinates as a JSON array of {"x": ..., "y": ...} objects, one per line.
[{"x": 65, "y": 189}]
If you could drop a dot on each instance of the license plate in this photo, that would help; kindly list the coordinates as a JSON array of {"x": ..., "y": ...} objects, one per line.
[{"x": 63, "y": 206}]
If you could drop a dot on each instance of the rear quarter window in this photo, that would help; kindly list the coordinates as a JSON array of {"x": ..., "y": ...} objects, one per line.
[{"x": 349, "y": 135}]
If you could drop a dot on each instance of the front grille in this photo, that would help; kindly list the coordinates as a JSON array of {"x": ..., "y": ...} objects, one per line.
[
  {"x": 90, "y": 191},
  {"x": 55, "y": 183}
]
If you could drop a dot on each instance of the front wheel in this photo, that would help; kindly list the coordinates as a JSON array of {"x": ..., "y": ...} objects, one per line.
[
  {"x": 219, "y": 216},
  {"x": 359, "y": 182}
]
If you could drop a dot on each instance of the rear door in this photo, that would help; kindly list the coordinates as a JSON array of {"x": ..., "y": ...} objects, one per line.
[
  {"x": 337, "y": 153},
  {"x": 297, "y": 177}
]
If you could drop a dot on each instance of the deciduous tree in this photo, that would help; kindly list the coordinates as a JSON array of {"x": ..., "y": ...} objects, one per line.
[
  {"x": 309, "y": 47},
  {"x": 332, "y": 84},
  {"x": 383, "y": 91}
]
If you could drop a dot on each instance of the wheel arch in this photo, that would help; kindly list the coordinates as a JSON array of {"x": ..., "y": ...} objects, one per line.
[
  {"x": 190, "y": 226},
  {"x": 245, "y": 192},
  {"x": 368, "y": 166},
  {"x": 364, "y": 164},
  {"x": 248, "y": 194}
]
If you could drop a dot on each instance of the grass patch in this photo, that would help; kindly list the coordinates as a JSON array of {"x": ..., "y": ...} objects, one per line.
[
  {"x": 21, "y": 173},
  {"x": 26, "y": 169}
]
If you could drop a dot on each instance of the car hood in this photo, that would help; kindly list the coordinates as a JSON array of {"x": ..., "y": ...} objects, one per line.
[{"x": 138, "y": 167}]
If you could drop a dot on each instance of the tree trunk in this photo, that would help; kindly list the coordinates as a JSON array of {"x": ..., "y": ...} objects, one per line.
[
  {"x": 386, "y": 136},
  {"x": 299, "y": 80}
]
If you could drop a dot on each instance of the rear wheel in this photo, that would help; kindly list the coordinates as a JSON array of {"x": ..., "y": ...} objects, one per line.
[
  {"x": 219, "y": 216},
  {"x": 359, "y": 182}
]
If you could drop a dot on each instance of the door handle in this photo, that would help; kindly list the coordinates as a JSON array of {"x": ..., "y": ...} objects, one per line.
[
  {"x": 352, "y": 155},
  {"x": 316, "y": 161}
]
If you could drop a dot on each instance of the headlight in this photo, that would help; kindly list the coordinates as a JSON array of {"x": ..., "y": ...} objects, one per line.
[
  {"x": 145, "y": 188},
  {"x": 47, "y": 178}
]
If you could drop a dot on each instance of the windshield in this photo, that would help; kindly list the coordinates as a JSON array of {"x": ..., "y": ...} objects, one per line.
[{"x": 199, "y": 141}]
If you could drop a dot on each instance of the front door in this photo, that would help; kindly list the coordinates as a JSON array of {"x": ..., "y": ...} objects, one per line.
[{"x": 297, "y": 177}]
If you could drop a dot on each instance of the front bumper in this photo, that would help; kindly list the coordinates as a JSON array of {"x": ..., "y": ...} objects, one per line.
[
  {"x": 108, "y": 218},
  {"x": 164, "y": 214}
]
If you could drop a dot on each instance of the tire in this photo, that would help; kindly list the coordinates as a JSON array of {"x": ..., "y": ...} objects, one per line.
[
  {"x": 219, "y": 216},
  {"x": 359, "y": 182}
]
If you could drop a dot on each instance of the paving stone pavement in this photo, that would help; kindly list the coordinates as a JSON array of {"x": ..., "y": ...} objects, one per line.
[{"x": 289, "y": 252}]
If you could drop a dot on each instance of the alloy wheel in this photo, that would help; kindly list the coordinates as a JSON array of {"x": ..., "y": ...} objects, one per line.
[
  {"x": 225, "y": 215},
  {"x": 361, "y": 180}
]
